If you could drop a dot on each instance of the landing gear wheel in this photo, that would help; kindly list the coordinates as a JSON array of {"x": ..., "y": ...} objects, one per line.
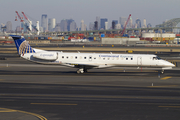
[{"x": 80, "y": 71}]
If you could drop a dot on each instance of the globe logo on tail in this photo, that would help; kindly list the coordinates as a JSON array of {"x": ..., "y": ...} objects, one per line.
[{"x": 25, "y": 48}]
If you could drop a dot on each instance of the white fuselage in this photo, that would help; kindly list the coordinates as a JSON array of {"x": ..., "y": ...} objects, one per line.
[{"x": 96, "y": 60}]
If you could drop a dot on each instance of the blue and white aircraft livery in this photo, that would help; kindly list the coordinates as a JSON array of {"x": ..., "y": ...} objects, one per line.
[{"x": 85, "y": 61}]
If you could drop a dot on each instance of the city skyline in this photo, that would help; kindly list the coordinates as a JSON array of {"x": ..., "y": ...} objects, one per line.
[
  {"x": 153, "y": 11},
  {"x": 50, "y": 24}
]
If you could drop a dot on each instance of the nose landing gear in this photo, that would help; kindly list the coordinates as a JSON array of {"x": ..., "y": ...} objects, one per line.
[{"x": 162, "y": 71}]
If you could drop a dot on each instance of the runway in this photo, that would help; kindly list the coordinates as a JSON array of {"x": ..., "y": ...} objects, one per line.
[
  {"x": 56, "y": 92},
  {"x": 42, "y": 92}
]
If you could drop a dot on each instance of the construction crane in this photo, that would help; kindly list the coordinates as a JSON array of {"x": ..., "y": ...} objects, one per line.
[
  {"x": 30, "y": 24},
  {"x": 3, "y": 27},
  {"x": 21, "y": 20},
  {"x": 125, "y": 26},
  {"x": 19, "y": 17}
]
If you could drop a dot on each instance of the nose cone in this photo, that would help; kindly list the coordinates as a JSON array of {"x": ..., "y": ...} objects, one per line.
[
  {"x": 168, "y": 64},
  {"x": 173, "y": 65}
]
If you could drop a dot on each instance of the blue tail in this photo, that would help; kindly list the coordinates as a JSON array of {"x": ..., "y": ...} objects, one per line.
[{"x": 22, "y": 45}]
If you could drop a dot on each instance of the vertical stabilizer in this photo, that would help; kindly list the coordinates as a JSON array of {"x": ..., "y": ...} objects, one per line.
[{"x": 22, "y": 45}]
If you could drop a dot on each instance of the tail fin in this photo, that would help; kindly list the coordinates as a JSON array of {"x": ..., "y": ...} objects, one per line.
[{"x": 22, "y": 45}]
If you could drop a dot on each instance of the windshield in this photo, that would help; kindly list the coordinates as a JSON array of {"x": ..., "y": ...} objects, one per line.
[{"x": 156, "y": 58}]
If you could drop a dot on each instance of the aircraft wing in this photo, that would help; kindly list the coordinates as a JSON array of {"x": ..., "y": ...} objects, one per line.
[
  {"x": 86, "y": 65},
  {"x": 79, "y": 65}
]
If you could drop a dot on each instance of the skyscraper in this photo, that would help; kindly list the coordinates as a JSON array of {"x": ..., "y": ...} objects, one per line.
[
  {"x": 9, "y": 26},
  {"x": 106, "y": 25},
  {"x": 122, "y": 21},
  {"x": 118, "y": 26},
  {"x": 144, "y": 23},
  {"x": 103, "y": 20},
  {"x": 149, "y": 25},
  {"x": 57, "y": 27},
  {"x": 73, "y": 26},
  {"x": 130, "y": 23},
  {"x": 51, "y": 24},
  {"x": 95, "y": 25},
  {"x": 91, "y": 26},
  {"x": 44, "y": 22},
  {"x": 18, "y": 29},
  {"x": 138, "y": 22},
  {"x": 63, "y": 25},
  {"x": 98, "y": 22},
  {"x": 69, "y": 21},
  {"x": 114, "y": 23},
  {"x": 83, "y": 26}
]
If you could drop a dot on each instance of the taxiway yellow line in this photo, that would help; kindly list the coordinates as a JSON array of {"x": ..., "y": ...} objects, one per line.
[
  {"x": 7, "y": 110},
  {"x": 34, "y": 114},
  {"x": 52, "y": 104},
  {"x": 165, "y": 78}
]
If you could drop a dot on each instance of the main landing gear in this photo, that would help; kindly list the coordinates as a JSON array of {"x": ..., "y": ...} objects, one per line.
[{"x": 81, "y": 70}]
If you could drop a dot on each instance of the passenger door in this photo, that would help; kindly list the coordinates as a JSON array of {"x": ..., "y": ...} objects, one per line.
[{"x": 139, "y": 61}]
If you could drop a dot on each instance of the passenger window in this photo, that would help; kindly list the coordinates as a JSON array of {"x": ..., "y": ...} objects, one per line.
[
  {"x": 62, "y": 56},
  {"x": 94, "y": 58},
  {"x": 131, "y": 58},
  {"x": 108, "y": 58},
  {"x": 84, "y": 57},
  {"x": 80, "y": 57},
  {"x": 76, "y": 57},
  {"x": 126, "y": 58},
  {"x": 103, "y": 58},
  {"x": 71, "y": 57},
  {"x": 67, "y": 57}
]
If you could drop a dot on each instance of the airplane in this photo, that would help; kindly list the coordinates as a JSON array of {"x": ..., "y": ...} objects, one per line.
[{"x": 86, "y": 61}]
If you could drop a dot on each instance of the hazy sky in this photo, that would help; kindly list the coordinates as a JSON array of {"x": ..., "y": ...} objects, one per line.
[{"x": 154, "y": 11}]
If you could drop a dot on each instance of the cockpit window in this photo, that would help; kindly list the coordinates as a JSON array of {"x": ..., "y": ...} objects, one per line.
[{"x": 156, "y": 58}]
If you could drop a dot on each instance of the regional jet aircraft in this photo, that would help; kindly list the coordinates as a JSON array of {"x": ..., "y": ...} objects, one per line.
[{"x": 85, "y": 61}]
